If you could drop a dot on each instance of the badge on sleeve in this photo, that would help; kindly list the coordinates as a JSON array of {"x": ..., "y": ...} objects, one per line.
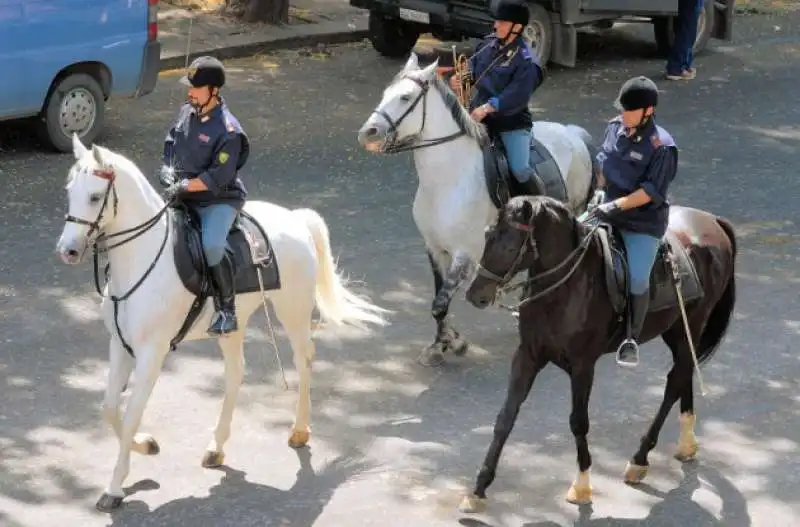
[{"x": 223, "y": 157}]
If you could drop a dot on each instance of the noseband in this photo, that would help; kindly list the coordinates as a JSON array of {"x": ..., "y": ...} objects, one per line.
[
  {"x": 411, "y": 142},
  {"x": 529, "y": 244}
]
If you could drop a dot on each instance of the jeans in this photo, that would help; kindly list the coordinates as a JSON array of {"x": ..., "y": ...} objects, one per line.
[
  {"x": 681, "y": 56},
  {"x": 518, "y": 152},
  {"x": 642, "y": 250},
  {"x": 216, "y": 221}
]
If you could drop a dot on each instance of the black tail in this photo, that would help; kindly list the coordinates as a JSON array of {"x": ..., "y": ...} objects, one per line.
[{"x": 720, "y": 317}]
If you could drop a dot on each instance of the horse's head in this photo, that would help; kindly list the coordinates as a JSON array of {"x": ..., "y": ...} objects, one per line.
[
  {"x": 510, "y": 248},
  {"x": 399, "y": 118},
  {"x": 91, "y": 198}
]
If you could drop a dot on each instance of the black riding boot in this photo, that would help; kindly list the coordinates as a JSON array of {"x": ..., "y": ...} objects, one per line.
[
  {"x": 534, "y": 186},
  {"x": 224, "y": 320},
  {"x": 628, "y": 351}
]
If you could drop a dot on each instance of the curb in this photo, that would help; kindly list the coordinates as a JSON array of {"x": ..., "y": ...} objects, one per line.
[{"x": 253, "y": 48}]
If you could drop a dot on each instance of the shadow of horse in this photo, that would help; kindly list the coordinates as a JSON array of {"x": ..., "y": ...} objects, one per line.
[
  {"x": 234, "y": 501},
  {"x": 675, "y": 508}
]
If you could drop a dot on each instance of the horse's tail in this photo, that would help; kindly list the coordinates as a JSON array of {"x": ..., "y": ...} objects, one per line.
[
  {"x": 718, "y": 321},
  {"x": 335, "y": 302}
]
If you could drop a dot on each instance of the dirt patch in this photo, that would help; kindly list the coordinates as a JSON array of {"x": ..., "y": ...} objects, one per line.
[
  {"x": 200, "y": 5},
  {"x": 744, "y": 7}
]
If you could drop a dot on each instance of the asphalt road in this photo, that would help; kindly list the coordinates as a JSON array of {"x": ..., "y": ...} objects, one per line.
[{"x": 394, "y": 443}]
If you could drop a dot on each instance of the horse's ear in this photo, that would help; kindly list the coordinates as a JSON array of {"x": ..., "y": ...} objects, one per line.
[
  {"x": 77, "y": 147},
  {"x": 100, "y": 156},
  {"x": 430, "y": 71},
  {"x": 412, "y": 64},
  {"x": 527, "y": 212}
]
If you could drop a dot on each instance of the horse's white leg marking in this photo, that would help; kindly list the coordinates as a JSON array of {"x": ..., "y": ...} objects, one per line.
[
  {"x": 687, "y": 441},
  {"x": 232, "y": 346},
  {"x": 295, "y": 316},
  {"x": 149, "y": 359},
  {"x": 580, "y": 493},
  {"x": 119, "y": 371}
]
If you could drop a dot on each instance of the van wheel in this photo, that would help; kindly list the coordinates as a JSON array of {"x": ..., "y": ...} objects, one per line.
[
  {"x": 539, "y": 33},
  {"x": 391, "y": 37},
  {"x": 76, "y": 104}
]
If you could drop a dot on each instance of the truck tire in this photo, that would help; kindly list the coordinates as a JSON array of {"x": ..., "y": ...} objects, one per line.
[
  {"x": 539, "y": 32},
  {"x": 664, "y": 30},
  {"x": 75, "y": 104},
  {"x": 391, "y": 37}
]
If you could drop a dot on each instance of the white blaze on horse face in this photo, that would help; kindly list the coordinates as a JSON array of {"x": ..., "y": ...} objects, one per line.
[{"x": 85, "y": 194}]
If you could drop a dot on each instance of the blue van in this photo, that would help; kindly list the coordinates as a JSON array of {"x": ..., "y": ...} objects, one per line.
[{"x": 63, "y": 59}]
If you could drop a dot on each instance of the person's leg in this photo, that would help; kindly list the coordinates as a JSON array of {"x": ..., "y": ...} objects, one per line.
[
  {"x": 217, "y": 221},
  {"x": 518, "y": 151},
  {"x": 685, "y": 25},
  {"x": 692, "y": 20},
  {"x": 641, "y": 250}
]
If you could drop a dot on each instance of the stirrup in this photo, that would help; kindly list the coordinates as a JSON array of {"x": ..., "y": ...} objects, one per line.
[{"x": 633, "y": 358}]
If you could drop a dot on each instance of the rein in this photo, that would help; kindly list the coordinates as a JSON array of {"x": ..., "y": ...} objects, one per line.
[
  {"x": 103, "y": 238},
  {"x": 529, "y": 241},
  {"x": 391, "y": 146}
]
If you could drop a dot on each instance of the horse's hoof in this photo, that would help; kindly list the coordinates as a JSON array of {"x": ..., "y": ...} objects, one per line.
[
  {"x": 472, "y": 504},
  {"x": 459, "y": 347},
  {"x": 213, "y": 459},
  {"x": 579, "y": 495},
  {"x": 635, "y": 473},
  {"x": 432, "y": 355},
  {"x": 108, "y": 503},
  {"x": 687, "y": 452},
  {"x": 146, "y": 445},
  {"x": 299, "y": 438}
]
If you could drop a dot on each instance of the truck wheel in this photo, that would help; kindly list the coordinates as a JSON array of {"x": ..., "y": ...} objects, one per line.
[
  {"x": 539, "y": 33},
  {"x": 664, "y": 30},
  {"x": 75, "y": 104},
  {"x": 391, "y": 37}
]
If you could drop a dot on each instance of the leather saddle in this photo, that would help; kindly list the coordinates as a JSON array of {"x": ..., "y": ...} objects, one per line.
[
  {"x": 671, "y": 256},
  {"x": 502, "y": 184}
]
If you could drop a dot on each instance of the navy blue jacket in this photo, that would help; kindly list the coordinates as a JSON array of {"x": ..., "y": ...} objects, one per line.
[
  {"x": 513, "y": 75},
  {"x": 647, "y": 160},
  {"x": 212, "y": 148}
]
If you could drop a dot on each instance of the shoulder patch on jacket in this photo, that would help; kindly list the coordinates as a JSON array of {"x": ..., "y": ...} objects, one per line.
[{"x": 656, "y": 141}]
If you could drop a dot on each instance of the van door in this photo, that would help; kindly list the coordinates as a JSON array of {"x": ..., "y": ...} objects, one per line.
[
  {"x": 15, "y": 101},
  {"x": 631, "y": 7}
]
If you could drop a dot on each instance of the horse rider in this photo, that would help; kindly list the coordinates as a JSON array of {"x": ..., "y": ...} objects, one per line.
[
  {"x": 203, "y": 153},
  {"x": 506, "y": 72},
  {"x": 639, "y": 160}
]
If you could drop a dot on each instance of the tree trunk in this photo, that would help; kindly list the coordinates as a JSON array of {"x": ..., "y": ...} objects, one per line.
[{"x": 269, "y": 11}]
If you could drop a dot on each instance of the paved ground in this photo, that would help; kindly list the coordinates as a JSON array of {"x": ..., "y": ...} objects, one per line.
[{"x": 394, "y": 444}]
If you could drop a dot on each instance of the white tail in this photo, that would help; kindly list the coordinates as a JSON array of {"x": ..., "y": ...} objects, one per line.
[{"x": 334, "y": 301}]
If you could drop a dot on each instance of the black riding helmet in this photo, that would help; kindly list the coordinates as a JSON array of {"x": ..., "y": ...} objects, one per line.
[
  {"x": 205, "y": 71},
  {"x": 637, "y": 93},
  {"x": 511, "y": 11}
]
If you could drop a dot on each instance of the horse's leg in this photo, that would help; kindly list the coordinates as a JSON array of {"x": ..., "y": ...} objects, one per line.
[
  {"x": 233, "y": 354},
  {"x": 636, "y": 470},
  {"x": 524, "y": 369},
  {"x": 119, "y": 371},
  {"x": 676, "y": 339},
  {"x": 446, "y": 336},
  {"x": 581, "y": 378},
  {"x": 149, "y": 360},
  {"x": 294, "y": 313}
]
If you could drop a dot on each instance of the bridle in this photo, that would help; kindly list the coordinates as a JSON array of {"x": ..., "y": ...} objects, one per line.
[
  {"x": 411, "y": 142},
  {"x": 100, "y": 243},
  {"x": 529, "y": 244}
]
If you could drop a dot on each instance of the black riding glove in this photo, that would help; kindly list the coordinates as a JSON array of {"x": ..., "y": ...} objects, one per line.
[{"x": 176, "y": 189}]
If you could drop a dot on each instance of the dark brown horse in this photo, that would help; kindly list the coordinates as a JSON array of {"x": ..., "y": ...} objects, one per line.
[{"x": 572, "y": 315}]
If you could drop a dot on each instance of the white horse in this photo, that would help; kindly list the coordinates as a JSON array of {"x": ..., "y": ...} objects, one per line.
[
  {"x": 108, "y": 195},
  {"x": 453, "y": 205}
]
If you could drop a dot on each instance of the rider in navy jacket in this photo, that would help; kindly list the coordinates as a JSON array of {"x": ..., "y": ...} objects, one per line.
[
  {"x": 639, "y": 160},
  {"x": 505, "y": 73}
]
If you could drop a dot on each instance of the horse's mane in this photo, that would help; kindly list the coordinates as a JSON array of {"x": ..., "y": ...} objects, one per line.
[
  {"x": 128, "y": 167},
  {"x": 461, "y": 116}
]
